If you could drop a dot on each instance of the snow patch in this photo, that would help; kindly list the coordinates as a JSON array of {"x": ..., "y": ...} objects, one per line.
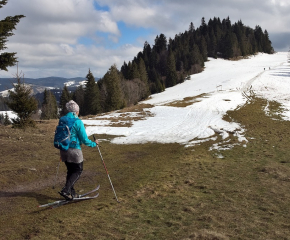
[{"x": 221, "y": 87}]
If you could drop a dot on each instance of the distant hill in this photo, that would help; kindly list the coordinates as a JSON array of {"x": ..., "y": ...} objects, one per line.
[{"x": 38, "y": 85}]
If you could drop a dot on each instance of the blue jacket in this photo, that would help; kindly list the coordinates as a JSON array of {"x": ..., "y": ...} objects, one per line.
[{"x": 78, "y": 134}]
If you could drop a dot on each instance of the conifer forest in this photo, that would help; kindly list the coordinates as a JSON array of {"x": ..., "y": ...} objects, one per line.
[
  {"x": 170, "y": 61},
  {"x": 167, "y": 63}
]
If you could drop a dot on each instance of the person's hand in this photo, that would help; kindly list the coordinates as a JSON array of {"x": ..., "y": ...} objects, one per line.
[{"x": 96, "y": 140}]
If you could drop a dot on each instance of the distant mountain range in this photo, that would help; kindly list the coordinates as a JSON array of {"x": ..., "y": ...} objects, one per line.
[{"x": 38, "y": 85}]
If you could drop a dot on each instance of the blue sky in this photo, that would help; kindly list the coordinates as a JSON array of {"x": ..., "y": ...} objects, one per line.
[
  {"x": 129, "y": 35},
  {"x": 67, "y": 37},
  {"x": 104, "y": 8}
]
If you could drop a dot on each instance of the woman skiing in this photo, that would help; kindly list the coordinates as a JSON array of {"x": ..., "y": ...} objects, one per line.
[{"x": 73, "y": 157}]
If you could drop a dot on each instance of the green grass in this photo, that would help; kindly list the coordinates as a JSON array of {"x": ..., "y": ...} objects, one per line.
[{"x": 166, "y": 191}]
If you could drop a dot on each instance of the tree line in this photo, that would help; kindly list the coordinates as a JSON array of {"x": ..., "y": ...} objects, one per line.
[{"x": 165, "y": 64}]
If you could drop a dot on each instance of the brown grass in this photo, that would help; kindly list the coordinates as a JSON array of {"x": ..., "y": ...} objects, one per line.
[
  {"x": 186, "y": 101},
  {"x": 125, "y": 117},
  {"x": 166, "y": 191}
]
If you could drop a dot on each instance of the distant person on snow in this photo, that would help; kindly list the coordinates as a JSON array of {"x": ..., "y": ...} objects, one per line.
[{"x": 73, "y": 158}]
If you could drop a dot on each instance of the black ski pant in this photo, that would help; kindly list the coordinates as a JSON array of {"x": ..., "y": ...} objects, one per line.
[{"x": 74, "y": 171}]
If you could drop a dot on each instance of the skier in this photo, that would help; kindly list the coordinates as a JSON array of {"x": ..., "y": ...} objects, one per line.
[{"x": 73, "y": 158}]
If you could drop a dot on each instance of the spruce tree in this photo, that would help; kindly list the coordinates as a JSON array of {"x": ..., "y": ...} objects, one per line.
[
  {"x": 212, "y": 46},
  {"x": 2, "y": 118},
  {"x": 146, "y": 53},
  {"x": 49, "y": 108},
  {"x": 114, "y": 98},
  {"x": 64, "y": 98},
  {"x": 134, "y": 71},
  {"x": 160, "y": 43},
  {"x": 125, "y": 70},
  {"x": 171, "y": 78},
  {"x": 144, "y": 79},
  {"x": 3, "y": 106},
  {"x": 203, "y": 49},
  {"x": 259, "y": 38},
  {"x": 191, "y": 27},
  {"x": 7, "y": 25},
  {"x": 92, "y": 96},
  {"x": 155, "y": 84},
  {"x": 203, "y": 27},
  {"x": 228, "y": 45},
  {"x": 129, "y": 73},
  {"x": 267, "y": 43},
  {"x": 79, "y": 98},
  {"x": 6, "y": 120},
  {"x": 22, "y": 103}
]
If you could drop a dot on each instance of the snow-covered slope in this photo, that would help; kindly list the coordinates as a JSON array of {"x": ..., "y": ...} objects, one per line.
[{"x": 221, "y": 84}]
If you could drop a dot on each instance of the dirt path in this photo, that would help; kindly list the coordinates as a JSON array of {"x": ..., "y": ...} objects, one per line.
[{"x": 42, "y": 184}]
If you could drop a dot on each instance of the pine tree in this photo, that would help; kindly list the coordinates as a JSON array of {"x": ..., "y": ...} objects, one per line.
[
  {"x": 144, "y": 79},
  {"x": 79, "y": 98},
  {"x": 7, "y": 25},
  {"x": 203, "y": 48},
  {"x": 194, "y": 57},
  {"x": 64, "y": 98},
  {"x": 160, "y": 43},
  {"x": 212, "y": 46},
  {"x": 203, "y": 27},
  {"x": 267, "y": 43},
  {"x": 92, "y": 96},
  {"x": 125, "y": 70},
  {"x": 146, "y": 53},
  {"x": 2, "y": 118},
  {"x": 22, "y": 103},
  {"x": 236, "y": 46},
  {"x": 191, "y": 27},
  {"x": 3, "y": 106},
  {"x": 155, "y": 84},
  {"x": 49, "y": 108},
  {"x": 171, "y": 77},
  {"x": 259, "y": 38},
  {"x": 114, "y": 98},
  {"x": 6, "y": 120},
  {"x": 134, "y": 71},
  {"x": 228, "y": 45}
]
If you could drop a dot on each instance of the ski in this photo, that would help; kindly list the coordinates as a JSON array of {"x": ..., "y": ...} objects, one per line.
[
  {"x": 73, "y": 201},
  {"x": 94, "y": 190},
  {"x": 81, "y": 197}
]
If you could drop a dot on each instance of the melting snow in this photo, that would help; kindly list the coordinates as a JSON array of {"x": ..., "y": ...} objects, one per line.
[{"x": 223, "y": 84}]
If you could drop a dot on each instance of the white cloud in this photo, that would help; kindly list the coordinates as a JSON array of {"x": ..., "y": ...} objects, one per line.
[
  {"x": 67, "y": 48},
  {"x": 47, "y": 40},
  {"x": 171, "y": 17},
  {"x": 59, "y": 20},
  {"x": 65, "y": 60}
]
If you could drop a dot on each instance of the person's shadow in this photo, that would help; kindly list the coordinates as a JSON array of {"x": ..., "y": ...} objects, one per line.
[{"x": 41, "y": 198}]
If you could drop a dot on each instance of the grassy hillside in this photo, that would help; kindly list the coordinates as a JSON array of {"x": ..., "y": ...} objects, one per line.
[{"x": 166, "y": 191}]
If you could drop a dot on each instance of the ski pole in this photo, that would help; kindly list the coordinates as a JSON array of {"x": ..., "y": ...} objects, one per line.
[
  {"x": 56, "y": 173},
  {"x": 106, "y": 171}
]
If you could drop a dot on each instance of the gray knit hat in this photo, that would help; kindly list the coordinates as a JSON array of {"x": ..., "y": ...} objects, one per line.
[{"x": 72, "y": 106}]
